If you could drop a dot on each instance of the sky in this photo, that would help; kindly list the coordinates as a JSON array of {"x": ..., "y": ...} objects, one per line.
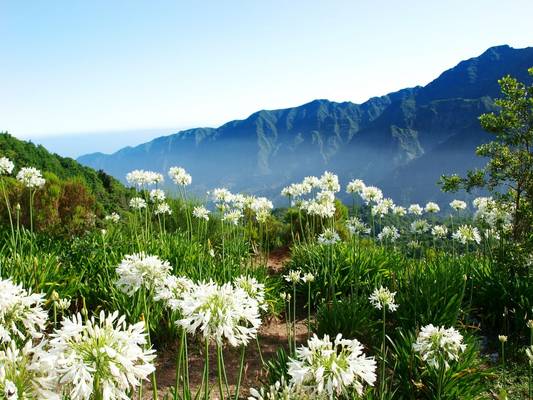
[{"x": 123, "y": 71}]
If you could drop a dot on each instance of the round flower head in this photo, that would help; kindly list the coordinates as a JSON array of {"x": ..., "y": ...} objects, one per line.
[
  {"x": 163, "y": 209},
  {"x": 27, "y": 373},
  {"x": 439, "y": 231},
  {"x": 329, "y": 236},
  {"x": 21, "y": 313},
  {"x": 466, "y": 234},
  {"x": 437, "y": 345},
  {"x": 179, "y": 176},
  {"x": 371, "y": 194},
  {"x": 157, "y": 195},
  {"x": 253, "y": 288},
  {"x": 6, "y": 166},
  {"x": 415, "y": 209},
  {"x": 137, "y": 203},
  {"x": 432, "y": 208},
  {"x": 399, "y": 211},
  {"x": 106, "y": 355},
  {"x": 355, "y": 186},
  {"x": 281, "y": 390},
  {"x": 326, "y": 368},
  {"x": 31, "y": 177},
  {"x": 200, "y": 212},
  {"x": 308, "y": 278},
  {"x": 357, "y": 227},
  {"x": 419, "y": 226},
  {"x": 502, "y": 338},
  {"x": 233, "y": 217},
  {"x": 329, "y": 182},
  {"x": 143, "y": 178},
  {"x": 381, "y": 209},
  {"x": 389, "y": 234},
  {"x": 172, "y": 290},
  {"x": 222, "y": 195},
  {"x": 383, "y": 298},
  {"x": 220, "y": 313},
  {"x": 458, "y": 205},
  {"x": 138, "y": 271},
  {"x": 113, "y": 217},
  {"x": 293, "y": 276}
]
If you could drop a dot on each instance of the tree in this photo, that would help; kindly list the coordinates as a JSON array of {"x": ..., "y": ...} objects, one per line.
[{"x": 508, "y": 174}]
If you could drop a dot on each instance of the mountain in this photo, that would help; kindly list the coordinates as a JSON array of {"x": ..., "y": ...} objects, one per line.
[{"x": 403, "y": 141}]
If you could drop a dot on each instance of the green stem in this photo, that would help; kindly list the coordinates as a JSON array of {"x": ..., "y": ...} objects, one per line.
[
  {"x": 241, "y": 369},
  {"x": 206, "y": 370},
  {"x": 219, "y": 369}
]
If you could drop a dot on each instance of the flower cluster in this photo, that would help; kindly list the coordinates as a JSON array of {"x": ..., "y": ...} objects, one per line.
[
  {"x": 142, "y": 178},
  {"x": 201, "y": 212},
  {"x": 137, "y": 203},
  {"x": 113, "y": 217},
  {"x": 383, "y": 298},
  {"x": 328, "y": 236},
  {"x": 357, "y": 227},
  {"x": 389, "y": 234},
  {"x": 179, "y": 176},
  {"x": 438, "y": 345},
  {"x": 138, "y": 271},
  {"x": 6, "y": 166},
  {"x": 31, "y": 177},
  {"x": 466, "y": 234}
]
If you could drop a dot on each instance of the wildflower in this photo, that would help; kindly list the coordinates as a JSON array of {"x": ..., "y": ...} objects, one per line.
[
  {"x": 21, "y": 313},
  {"x": 529, "y": 354},
  {"x": 179, "y": 176},
  {"x": 293, "y": 276},
  {"x": 233, "y": 217},
  {"x": 254, "y": 289},
  {"x": 355, "y": 186},
  {"x": 172, "y": 289},
  {"x": 432, "y": 208},
  {"x": 466, "y": 234},
  {"x": 439, "y": 231},
  {"x": 220, "y": 313},
  {"x": 438, "y": 345},
  {"x": 113, "y": 217},
  {"x": 280, "y": 390},
  {"x": 419, "y": 226},
  {"x": 357, "y": 227},
  {"x": 329, "y": 182},
  {"x": 389, "y": 233},
  {"x": 329, "y": 236},
  {"x": 399, "y": 211},
  {"x": 107, "y": 356},
  {"x": 222, "y": 195},
  {"x": 332, "y": 368},
  {"x": 200, "y": 212},
  {"x": 502, "y": 338},
  {"x": 413, "y": 244},
  {"x": 162, "y": 209},
  {"x": 380, "y": 209},
  {"x": 31, "y": 177},
  {"x": 383, "y": 298},
  {"x": 157, "y": 195},
  {"x": 371, "y": 194},
  {"x": 415, "y": 209},
  {"x": 529, "y": 324},
  {"x": 6, "y": 166},
  {"x": 138, "y": 271},
  {"x": 143, "y": 178},
  {"x": 137, "y": 203},
  {"x": 312, "y": 181},
  {"x": 308, "y": 278},
  {"x": 458, "y": 205}
]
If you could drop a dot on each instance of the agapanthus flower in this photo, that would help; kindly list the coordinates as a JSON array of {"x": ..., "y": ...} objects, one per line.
[
  {"x": 371, "y": 194},
  {"x": 222, "y": 195},
  {"x": 200, "y": 212},
  {"x": 233, "y": 217},
  {"x": 27, "y": 373},
  {"x": 320, "y": 209},
  {"x": 312, "y": 181},
  {"x": 529, "y": 354},
  {"x": 179, "y": 176},
  {"x": 399, "y": 211},
  {"x": 31, "y": 177},
  {"x": 113, "y": 217},
  {"x": 383, "y": 298},
  {"x": 502, "y": 338},
  {"x": 438, "y": 345},
  {"x": 389, "y": 233},
  {"x": 432, "y": 208},
  {"x": 220, "y": 313},
  {"x": 466, "y": 234},
  {"x": 172, "y": 289},
  {"x": 163, "y": 209},
  {"x": 138, "y": 271},
  {"x": 21, "y": 313},
  {"x": 107, "y": 356},
  {"x": 458, "y": 205},
  {"x": 137, "y": 203},
  {"x": 415, "y": 209},
  {"x": 308, "y": 277},
  {"x": 254, "y": 289},
  {"x": 329, "y": 182},
  {"x": 332, "y": 368},
  {"x": 357, "y": 227},
  {"x": 143, "y": 178},
  {"x": 328, "y": 236},
  {"x": 439, "y": 231},
  {"x": 281, "y": 390},
  {"x": 157, "y": 195},
  {"x": 355, "y": 186},
  {"x": 419, "y": 226},
  {"x": 6, "y": 166},
  {"x": 380, "y": 209},
  {"x": 293, "y": 276}
]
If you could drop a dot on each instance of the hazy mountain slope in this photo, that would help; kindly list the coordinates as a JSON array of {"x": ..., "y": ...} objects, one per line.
[{"x": 403, "y": 141}]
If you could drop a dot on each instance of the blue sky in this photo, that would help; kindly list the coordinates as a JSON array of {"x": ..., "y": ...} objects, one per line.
[{"x": 71, "y": 67}]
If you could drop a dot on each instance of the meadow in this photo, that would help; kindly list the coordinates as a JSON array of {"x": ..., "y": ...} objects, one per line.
[{"x": 174, "y": 297}]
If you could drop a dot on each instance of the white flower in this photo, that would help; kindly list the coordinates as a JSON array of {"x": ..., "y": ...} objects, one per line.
[
  {"x": 137, "y": 203},
  {"x": 220, "y": 313},
  {"x": 328, "y": 236},
  {"x": 10, "y": 390},
  {"x": 179, "y": 176},
  {"x": 355, "y": 186},
  {"x": 172, "y": 289},
  {"x": 293, "y": 276},
  {"x": 281, "y": 390},
  {"x": 529, "y": 354},
  {"x": 415, "y": 209},
  {"x": 6, "y": 166},
  {"x": 437, "y": 345},
  {"x": 200, "y": 212},
  {"x": 222, "y": 195},
  {"x": 138, "y": 271},
  {"x": 332, "y": 368},
  {"x": 383, "y": 298},
  {"x": 109, "y": 352},
  {"x": 329, "y": 182},
  {"x": 308, "y": 278},
  {"x": 233, "y": 217},
  {"x": 502, "y": 338},
  {"x": 458, "y": 205},
  {"x": 432, "y": 207},
  {"x": 439, "y": 231},
  {"x": 254, "y": 289},
  {"x": 419, "y": 226},
  {"x": 389, "y": 233},
  {"x": 31, "y": 177},
  {"x": 381, "y": 209},
  {"x": 466, "y": 234},
  {"x": 113, "y": 217},
  {"x": 163, "y": 208},
  {"x": 357, "y": 227},
  {"x": 143, "y": 178},
  {"x": 371, "y": 194},
  {"x": 399, "y": 211},
  {"x": 21, "y": 313},
  {"x": 157, "y": 195}
]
